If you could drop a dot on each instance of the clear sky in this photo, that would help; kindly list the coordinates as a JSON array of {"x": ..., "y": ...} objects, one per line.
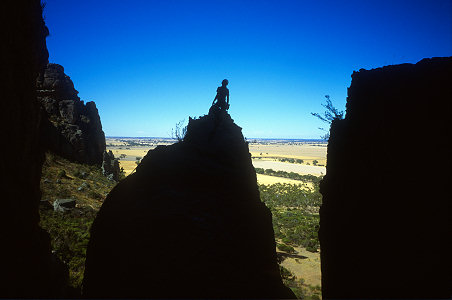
[{"x": 150, "y": 64}]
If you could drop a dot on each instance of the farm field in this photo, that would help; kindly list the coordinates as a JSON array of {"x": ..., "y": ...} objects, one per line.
[
  {"x": 289, "y": 167},
  {"x": 274, "y": 149},
  {"x": 266, "y": 179},
  {"x": 266, "y": 154},
  {"x": 131, "y": 150}
]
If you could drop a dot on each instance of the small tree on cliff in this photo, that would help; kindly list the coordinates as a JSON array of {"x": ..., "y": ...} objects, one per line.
[
  {"x": 180, "y": 131},
  {"x": 331, "y": 113}
]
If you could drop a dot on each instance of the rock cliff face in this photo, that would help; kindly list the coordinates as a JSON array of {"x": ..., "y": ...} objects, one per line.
[
  {"x": 385, "y": 227},
  {"x": 188, "y": 224},
  {"x": 28, "y": 268},
  {"x": 70, "y": 129}
]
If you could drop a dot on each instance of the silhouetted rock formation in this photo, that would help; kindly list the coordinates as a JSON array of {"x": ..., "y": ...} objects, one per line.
[
  {"x": 385, "y": 226},
  {"x": 28, "y": 268},
  {"x": 71, "y": 129},
  {"x": 188, "y": 224}
]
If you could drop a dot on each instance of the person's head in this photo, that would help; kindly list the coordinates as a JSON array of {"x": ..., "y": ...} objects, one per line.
[{"x": 224, "y": 82}]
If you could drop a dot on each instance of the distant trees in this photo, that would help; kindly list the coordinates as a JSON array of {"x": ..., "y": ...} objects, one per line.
[
  {"x": 290, "y": 175},
  {"x": 291, "y": 160},
  {"x": 329, "y": 115}
]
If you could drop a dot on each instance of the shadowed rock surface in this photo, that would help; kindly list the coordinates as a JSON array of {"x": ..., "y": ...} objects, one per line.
[
  {"x": 188, "y": 224},
  {"x": 110, "y": 166},
  {"x": 385, "y": 227},
  {"x": 28, "y": 268},
  {"x": 71, "y": 129}
]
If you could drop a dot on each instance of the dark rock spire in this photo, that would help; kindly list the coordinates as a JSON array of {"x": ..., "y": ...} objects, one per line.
[{"x": 188, "y": 224}]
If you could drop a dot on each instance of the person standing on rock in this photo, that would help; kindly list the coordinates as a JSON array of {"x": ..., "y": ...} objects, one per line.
[{"x": 222, "y": 96}]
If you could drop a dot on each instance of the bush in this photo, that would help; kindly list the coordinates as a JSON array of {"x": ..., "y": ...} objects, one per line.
[
  {"x": 180, "y": 131},
  {"x": 311, "y": 245},
  {"x": 285, "y": 248},
  {"x": 286, "y": 240},
  {"x": 329, "y": 115},
  {"x": 286, "y": 274},
  {"x": 62, "y": 174},
  {"x": 94, "y": 195}
]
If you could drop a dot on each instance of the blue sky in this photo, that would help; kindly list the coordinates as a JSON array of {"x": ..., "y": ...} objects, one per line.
[{"x": 150, "y": 64}]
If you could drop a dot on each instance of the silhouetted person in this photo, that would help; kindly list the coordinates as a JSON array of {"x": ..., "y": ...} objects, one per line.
[
  {"x": 222, "y": 96},
  {"x": 219, "y": 106}
]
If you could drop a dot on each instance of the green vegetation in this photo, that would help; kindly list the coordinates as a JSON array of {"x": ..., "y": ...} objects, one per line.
[
  {"x": 69, "y": 231},
  {"x": 180, "y": 131},
  {"x": 294, "y": 209},
  {"x": 295, "y": 212},
  {"x": 310, "y": 178},
  {"x": 329, "y": 115},
  {"x": 291, "y": 160},
  {"x": 285, "y": 248}
]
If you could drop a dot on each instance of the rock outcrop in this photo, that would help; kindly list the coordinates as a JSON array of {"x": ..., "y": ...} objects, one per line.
[
  {"x": 71, "y": 129},
  {"x": 28, "y": 268},
  {"x": 110, "y": 166},
  {"x": 385, "y": 226},
  {"x": 188, "y": 224}
]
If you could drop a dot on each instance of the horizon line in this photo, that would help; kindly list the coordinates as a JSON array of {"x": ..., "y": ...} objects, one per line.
[{"x": 251, "y": 138}]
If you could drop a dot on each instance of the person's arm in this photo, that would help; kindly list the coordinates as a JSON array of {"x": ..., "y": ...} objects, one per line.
[
  {"x": 216, "y": 96},
  {"x": 227, "y": 97}
]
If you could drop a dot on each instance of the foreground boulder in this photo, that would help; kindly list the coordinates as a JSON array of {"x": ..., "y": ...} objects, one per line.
[
  {"x": 188, "y": 224},
  {"x": 385, "y": 222},
  {"x": 62, "y": 205}
]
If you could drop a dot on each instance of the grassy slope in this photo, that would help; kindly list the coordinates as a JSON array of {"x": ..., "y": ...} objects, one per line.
[{"x": 69, "y": 231}]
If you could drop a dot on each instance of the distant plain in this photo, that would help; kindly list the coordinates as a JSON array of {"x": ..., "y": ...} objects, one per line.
[{"x": 265, "y": 154}]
